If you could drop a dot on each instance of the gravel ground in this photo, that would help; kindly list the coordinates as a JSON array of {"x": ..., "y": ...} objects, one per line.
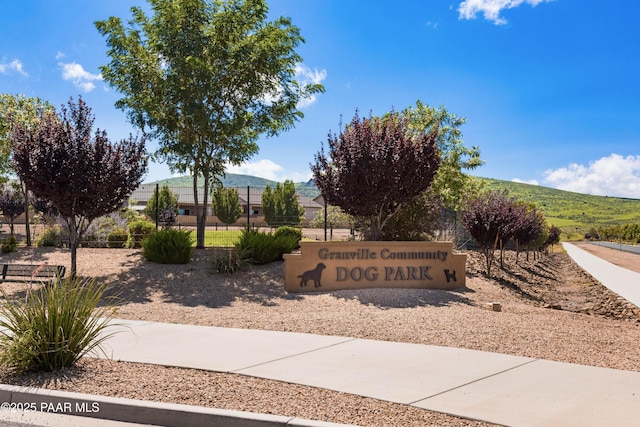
[{"x": 551, "y": 309}]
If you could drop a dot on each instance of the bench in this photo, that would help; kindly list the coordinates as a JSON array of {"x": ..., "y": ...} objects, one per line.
[{"x": 25, "y": 272}]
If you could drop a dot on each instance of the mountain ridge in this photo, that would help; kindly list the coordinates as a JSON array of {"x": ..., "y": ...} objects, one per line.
[{"x": 239, "y": 180}]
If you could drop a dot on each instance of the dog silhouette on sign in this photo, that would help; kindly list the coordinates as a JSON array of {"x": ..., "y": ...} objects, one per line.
[{"x": 313, "y": 275}]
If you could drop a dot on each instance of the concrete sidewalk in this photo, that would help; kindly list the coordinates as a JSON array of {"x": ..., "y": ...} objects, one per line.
[
  {"x": 497, "y": 388},
  {"x": 502, "y": 389},
  {"x": 623, "y": 282}
]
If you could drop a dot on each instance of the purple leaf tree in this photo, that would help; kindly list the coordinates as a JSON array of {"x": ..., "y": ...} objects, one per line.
[
  {"x": 12, "y": 206},
  {"x": 84, "y": 175},
  {"x": 375, "y": 167},
  {"x": 489, "y": 219}
]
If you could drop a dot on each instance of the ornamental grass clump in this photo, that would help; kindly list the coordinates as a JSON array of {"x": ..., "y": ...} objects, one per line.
[
  {"x": 229, "y": 261},
  {"x": 168, "y": 246},
  {"x": 54, "y": 326}
]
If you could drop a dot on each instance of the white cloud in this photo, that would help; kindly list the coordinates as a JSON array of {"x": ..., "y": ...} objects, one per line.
[
  {"x": 60, "y": 55},
  {"x": 432, "y": 24},
  {"x": 305, "y": 76},
  {"x": 613, "y": 175},
  {"x": 14, "y": 65},
  {"x": 81, "y": 79},
  {"x": 531, "y": 181},
  {"x": 491, "y": 8},
  {"x": 268, "y": 169}
]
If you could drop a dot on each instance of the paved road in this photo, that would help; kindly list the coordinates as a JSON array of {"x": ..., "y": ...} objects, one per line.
[{"x": 620, "y": 246}]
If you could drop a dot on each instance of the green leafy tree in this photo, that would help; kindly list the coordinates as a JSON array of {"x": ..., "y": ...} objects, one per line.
[
  {"x": 281, "y": 206},
  {"x": 25, "y": 112},
  {"x": 269, "y": 205},
  {"x": 16, "y": 109},
  {"x": 451, "y": 184},
  {"x": 292, "y": 210},
  {"x": 336, "y": 218},
  {"x": 417, "y": 221},
  {"x": 166, "y": 201},
  {"x": 85, "y": 176},
  {"x": 225, "y": 203},
  {"x": 207, "y": 78}
]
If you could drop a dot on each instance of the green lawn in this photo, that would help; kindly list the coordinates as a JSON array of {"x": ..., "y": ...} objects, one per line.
[{"x": 221, "y": 238}]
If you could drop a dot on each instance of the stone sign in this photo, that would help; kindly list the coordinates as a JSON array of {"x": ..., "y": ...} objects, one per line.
[{"x": 326, "y": 266}]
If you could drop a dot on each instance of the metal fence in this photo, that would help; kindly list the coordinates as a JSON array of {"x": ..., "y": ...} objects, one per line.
[
  {"x": 250, "y": 199},
  {"x": 219, "y": 234},
  {"x": 216, "y": 235}
]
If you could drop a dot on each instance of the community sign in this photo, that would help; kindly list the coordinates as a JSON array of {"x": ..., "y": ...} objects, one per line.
[{"x": 327, "y": 266}]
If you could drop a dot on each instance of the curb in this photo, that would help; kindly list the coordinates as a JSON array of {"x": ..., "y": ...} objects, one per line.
[{"x": 28, "y": 399}]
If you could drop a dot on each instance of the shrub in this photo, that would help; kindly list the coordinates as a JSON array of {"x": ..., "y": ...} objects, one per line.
[
  {"x": 229, "y": 261},
  {"x": 9, "y": 244},
  {"x": 287, "y": 230},
  {"x": 138, "y": 231},
  {"x": 168, "y": 246},
  {"x": 92, "y": 241},
  {"x": 336, "y": 218},
  {"x": 263, "y": 248},
  {"x": 97, "y": 232},
  {"x": 129, "y": 215},
  {"x": 117, "y": 238},
  {"x": 50, "y": 237},
  {"x": 54, "y": 326}
]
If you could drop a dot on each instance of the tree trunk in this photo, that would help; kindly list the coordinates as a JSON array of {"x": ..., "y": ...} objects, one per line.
[
  {"x": 73, "y": 246},
  {"x": 25, "y": 194},
  {"x": 205, "y": 202},
  {"x": 199, "y": 219},
  {"x": 490, "y": 255},
  {"x": 199, "y": 231},
  {"x": 201, "y": 211}
]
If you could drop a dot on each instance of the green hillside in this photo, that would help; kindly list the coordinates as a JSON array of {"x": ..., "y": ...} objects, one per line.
[{"x": 574, "y": 213}]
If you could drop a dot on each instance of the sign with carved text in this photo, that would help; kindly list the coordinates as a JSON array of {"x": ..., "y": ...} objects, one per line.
[{"x": 328, "y": 266}]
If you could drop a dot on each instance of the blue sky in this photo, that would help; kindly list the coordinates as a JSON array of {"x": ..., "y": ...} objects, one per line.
[{"x": 550, "y": 89}]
